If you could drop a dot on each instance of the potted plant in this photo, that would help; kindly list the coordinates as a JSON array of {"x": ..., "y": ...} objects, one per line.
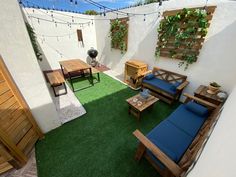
[{"x": 213, "y": 88}]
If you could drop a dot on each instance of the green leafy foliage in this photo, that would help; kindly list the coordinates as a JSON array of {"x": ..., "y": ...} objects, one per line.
[
  {"x": 183, "y": 29},
  {"x": 91, "y": 12},
  {"x": 33, "y": 41},
  {"x": 118, "y": 34}
]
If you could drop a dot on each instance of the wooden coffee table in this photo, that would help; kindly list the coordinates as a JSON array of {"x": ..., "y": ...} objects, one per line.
[{"x": 137, "y": 104}]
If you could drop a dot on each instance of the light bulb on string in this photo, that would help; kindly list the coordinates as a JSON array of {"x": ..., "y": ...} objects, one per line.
[
  {"x": 72, "y": 19},
  {"x": 76, "y": 3},
  {"x": 144, "y": 17}
]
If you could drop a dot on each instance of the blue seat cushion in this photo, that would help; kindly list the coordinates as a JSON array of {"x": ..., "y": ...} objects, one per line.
[
  {"x": 171, "y": 140},
  {"x": 161, "y": 84},
  {"x": 186, "y": 120},
  {"x": 197, "y": 108},
  {"x": 149, "y": 76},
  {"x": 175, "y": 85}
]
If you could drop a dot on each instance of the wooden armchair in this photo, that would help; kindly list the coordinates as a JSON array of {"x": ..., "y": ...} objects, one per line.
[
  {"x": 161, "y": 85},
  {"x": 169, "y": 167}
]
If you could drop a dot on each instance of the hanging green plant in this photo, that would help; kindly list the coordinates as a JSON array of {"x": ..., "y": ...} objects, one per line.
[
  {"x": 33, "y": 41},
  {"x": 181, "y": 35},
  {"x": 119, "y": 34}
]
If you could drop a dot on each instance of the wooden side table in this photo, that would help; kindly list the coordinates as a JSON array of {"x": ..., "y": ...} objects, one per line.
[
  {"x": 136, "y": 108},
  {"x": 202, "y": 93}
]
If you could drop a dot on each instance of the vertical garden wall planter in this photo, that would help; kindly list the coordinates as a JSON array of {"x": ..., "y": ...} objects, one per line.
[
  {"x": 119, "y": 34},
  {"x": 182, "y": 32}
]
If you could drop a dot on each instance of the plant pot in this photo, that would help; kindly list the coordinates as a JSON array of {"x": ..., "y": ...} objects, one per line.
[{"x": 212, "y": 89}]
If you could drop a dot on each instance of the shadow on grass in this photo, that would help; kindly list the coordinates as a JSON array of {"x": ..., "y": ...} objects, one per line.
[{"x": 100, "y": 143}]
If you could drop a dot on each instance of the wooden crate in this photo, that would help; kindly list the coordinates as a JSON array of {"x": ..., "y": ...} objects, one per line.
[{"x": 134, "y": 70}]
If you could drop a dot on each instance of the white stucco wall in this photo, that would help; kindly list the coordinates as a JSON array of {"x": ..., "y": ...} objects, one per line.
[
  {"x": 216, "y": 61},
  {"x": 67, "y": 45},
  {"x": 18, "y": 54},
  {"x": 218, "y": 156}
]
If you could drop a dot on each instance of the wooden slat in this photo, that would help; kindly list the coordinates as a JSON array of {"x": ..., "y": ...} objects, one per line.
[
  {"x": 10, "y": 118},
  {"x": 27, "y": 143},
  {"x": 19, "y": 128},
  {"x": 3, "y": 87},
  {"x": 7, "y": 104},
  {"x": 5, "y": 96},
  {"x": 5, "y": 166},
  {"x": 10, "y": 110}
]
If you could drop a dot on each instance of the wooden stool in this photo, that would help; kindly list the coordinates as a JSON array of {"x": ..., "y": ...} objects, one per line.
[{"x": 56, "y": 79}]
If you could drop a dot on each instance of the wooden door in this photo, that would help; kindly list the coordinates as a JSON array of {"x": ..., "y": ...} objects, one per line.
[{"x": 18, "y": 129}]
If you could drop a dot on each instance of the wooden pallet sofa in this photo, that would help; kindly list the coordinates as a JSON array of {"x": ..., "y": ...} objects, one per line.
[
  {"x": 172, "y": 146},
  {"x": 164, "y": 84}
]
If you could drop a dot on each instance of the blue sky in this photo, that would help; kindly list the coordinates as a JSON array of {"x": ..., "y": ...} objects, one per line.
[{"x": 81, "y": 6}]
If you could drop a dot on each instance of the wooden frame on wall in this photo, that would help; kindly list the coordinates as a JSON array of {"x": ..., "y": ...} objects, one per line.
[
  {"x": 125, "y": 22},
  {"x": 169, "y": 47}
]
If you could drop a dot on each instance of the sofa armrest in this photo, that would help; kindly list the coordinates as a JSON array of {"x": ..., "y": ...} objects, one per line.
[
  {"x": 203, "y": 102},
  {"x": 183, "y": 85},
  {"x": 170, "y": 164},
  {"x": 146, "y": 73}
]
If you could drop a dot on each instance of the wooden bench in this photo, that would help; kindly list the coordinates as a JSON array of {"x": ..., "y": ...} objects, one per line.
[
  {"x": 163, "y": 84},
  {"x": 56, "y": 79}
]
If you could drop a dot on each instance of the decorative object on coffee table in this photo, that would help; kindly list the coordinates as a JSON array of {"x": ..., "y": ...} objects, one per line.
[
  {"x": 202, "y": 92},
  {"x": 135, "y": 70},
  {"x": 137, "y": 104},
  {"x": 93, "y": 54},
  {"x": 213, "y": 88},
  {"x": 145, "y": 93}
]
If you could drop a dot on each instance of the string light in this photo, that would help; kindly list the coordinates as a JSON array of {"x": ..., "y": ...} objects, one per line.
[
  {"x": 108, "y": 9},
  {"x": 144, "y": 17}
]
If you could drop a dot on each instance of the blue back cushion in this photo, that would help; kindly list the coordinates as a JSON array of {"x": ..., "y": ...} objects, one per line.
[
  {"x": 197, "y": 108},
  {"x": 149, "y": 76}
]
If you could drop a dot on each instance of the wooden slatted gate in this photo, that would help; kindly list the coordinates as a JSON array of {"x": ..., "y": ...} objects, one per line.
[{"x": 18, "y": 129}]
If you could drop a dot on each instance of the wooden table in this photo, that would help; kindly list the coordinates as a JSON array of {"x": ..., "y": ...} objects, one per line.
[
  {"x": 75, "y": 66},
  {"x": 202, "y": 93},
  {"x": 136, "y": 109},
  {"x": 56, "y": 79}
]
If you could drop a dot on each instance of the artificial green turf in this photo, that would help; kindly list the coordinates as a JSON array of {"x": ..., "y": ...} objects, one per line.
[{"x": 100, "y": 143}]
